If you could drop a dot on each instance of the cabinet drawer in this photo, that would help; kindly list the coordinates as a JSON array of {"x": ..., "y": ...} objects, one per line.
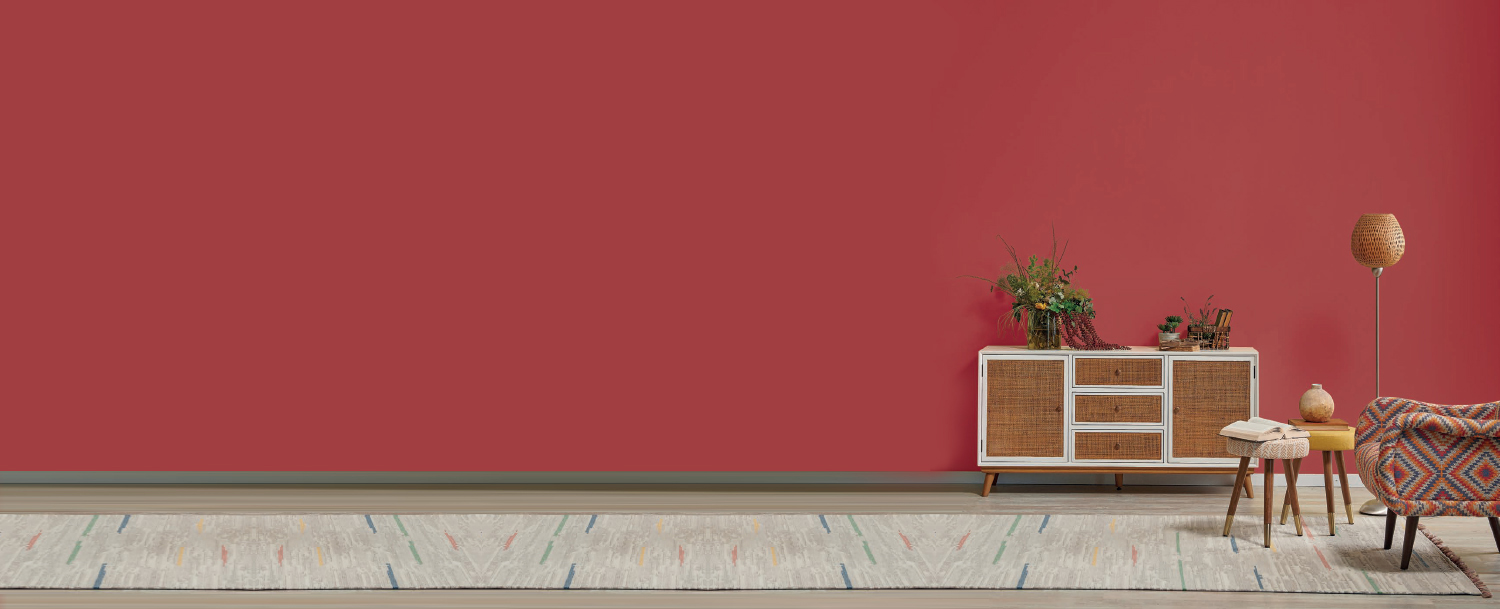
[
  {"x": 1116, "y": 446},
  {"x": 1138, "y": 408},
  {"x": 1117, "y": 371}
]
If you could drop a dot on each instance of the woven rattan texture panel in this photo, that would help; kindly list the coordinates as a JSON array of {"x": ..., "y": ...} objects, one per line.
[
  {"x": 1117, "y": 408},
  {"x": 1141, "y": 371},
  {"x": 1025, "y": 408},
  {"x": 1117, "y": 446},
  {"x": 1206, "y": 396}
]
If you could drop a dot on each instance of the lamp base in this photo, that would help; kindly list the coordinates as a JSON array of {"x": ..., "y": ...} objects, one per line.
[{"x": 1373, "y": 507}]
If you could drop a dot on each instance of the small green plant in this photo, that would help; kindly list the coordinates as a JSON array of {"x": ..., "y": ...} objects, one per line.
[
  {"x": 1205, "y": 316},
  {"x": 1171, "y": 325}
]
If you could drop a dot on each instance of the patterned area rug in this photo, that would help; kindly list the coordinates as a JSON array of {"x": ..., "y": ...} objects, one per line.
[{"x": 700, "y": 552}]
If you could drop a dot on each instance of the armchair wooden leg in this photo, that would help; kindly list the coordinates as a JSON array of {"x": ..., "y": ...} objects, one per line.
[
  {"x": 1249, "y": 487},
  {"x": 1338, "y": 457},
  {"x": 989, "y": 479},
  {"x": 1495, "y": 530},
  {"x": 1328, "y": 490},
  {"x": 1411, "y": 538},
  {"x": 1390, "y": 527},
  {"x": 1241, "y": 479}
]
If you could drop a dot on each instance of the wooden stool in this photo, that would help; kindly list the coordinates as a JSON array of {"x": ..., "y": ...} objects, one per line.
[
  {"x": 1333, "y": 443},
  {"x": 1270, "y": 451}
]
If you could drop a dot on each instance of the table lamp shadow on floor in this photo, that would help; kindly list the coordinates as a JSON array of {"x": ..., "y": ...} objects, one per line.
[{"x": 1377, "y": 243}]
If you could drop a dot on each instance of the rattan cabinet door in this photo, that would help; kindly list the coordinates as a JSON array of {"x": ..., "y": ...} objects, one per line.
[
  {"x": 1024, "y": 408},
  {"x": 1206, "y": 396}
]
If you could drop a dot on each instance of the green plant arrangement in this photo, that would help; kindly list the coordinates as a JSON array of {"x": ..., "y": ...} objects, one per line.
[
  {"x": 1171, "y": 326},
  {"x": 1206, "y": 314},
  {"x": 1041, "y": 289},
  {"x": 1203, "y": 324}
]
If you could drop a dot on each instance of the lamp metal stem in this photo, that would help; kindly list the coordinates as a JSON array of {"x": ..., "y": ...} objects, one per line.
[{"x": 1374, "y": 507}]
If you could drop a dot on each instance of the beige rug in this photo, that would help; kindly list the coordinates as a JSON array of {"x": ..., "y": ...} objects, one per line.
[{"x": 705, "y": 552}]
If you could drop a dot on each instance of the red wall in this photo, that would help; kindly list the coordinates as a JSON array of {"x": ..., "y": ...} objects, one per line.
[{"x": 702, "y": 235}]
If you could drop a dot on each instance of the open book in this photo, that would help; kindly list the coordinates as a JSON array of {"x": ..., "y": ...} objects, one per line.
[{"x": 1260, "y": 430}]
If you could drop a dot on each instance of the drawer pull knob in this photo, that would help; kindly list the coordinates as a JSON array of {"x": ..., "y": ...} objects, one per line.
[
  {"x": 1059, "y": 409},
  {"x": 1117, "y": 372},
  {"x": 1117, "y": 407},
  {"x": 1117, "y": 447},
  {"x": 1176, "y": 410}
]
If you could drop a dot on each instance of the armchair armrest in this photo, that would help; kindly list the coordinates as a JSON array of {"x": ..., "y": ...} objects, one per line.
[
  {"x": 1453, "y": 426},
  {"x": 1431, "y": 460},
  {"x": 1375, "y": 417}
]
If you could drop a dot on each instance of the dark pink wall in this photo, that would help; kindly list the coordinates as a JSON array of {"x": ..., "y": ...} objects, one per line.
[{"x": 702, "y": 235}]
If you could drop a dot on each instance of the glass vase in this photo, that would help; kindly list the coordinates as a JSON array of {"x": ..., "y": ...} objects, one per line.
[{"x": 1041, "y": 331}]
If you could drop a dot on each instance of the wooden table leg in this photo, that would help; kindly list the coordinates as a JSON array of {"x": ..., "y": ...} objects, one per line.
[
  {"x": 1338, "y": 457},
  {"x": 1291, "y": 491},
  {"x": 1249, "y": 486},
  {"x": 1119, "y": 481},
  {"x": 1328, "y": 489},
  {"x": 989, "y": 479},
  {"x": 1270, "y": 486},
  {"x": 1241, "y": 479},
  {"x": 1286, "y": 501}
]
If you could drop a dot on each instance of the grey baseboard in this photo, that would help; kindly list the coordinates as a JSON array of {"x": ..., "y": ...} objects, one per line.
[{"x": 952, "y": 477}]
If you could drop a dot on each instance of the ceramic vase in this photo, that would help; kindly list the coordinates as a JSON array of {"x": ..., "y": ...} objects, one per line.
[{"x": 1316, "y": 405}]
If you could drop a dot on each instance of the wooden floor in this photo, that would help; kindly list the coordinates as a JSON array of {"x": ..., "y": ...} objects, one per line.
[{"x": 1469, "y": 537}]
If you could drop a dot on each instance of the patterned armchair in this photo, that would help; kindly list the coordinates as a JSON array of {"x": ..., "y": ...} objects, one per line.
[{"x": 1423, "y": 459}]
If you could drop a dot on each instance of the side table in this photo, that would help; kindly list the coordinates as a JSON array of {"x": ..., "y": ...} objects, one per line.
[{"x": 1333, "y": 438}]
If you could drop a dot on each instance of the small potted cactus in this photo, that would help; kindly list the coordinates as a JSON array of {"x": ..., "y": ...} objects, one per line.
[{"x": 1169, "y": 329}]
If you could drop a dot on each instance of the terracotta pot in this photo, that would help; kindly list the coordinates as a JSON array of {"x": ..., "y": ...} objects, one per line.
[{"x": 1316, "y": 405}]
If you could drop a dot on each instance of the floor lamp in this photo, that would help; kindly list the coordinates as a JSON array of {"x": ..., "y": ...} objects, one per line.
[{"x": 1377, "y": 243}]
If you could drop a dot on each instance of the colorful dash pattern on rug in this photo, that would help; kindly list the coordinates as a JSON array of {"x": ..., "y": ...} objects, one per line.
[{"x": 704, "y": 552}]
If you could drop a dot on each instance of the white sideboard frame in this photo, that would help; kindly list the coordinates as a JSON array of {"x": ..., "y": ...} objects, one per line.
[{"x": 1072, "y": 426}]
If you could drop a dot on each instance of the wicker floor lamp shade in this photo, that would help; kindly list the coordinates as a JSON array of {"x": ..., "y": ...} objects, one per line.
[{"x": 1377, "y": 241}]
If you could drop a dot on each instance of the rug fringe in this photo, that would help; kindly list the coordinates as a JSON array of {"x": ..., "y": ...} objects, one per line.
[{"x": 1458, "y": 562}]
